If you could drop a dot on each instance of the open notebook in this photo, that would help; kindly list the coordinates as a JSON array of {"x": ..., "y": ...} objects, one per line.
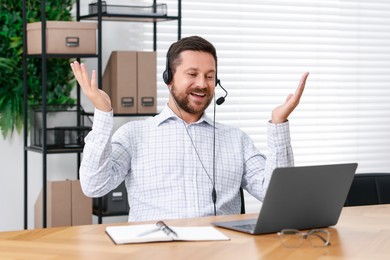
[{"x": 161, "y": 232}]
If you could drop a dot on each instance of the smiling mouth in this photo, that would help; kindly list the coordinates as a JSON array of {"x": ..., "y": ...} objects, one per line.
[{"x": 198, "y": 94}]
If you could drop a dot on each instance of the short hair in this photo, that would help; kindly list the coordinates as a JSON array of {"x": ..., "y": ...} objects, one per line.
[{"x": 191, "y": 43}]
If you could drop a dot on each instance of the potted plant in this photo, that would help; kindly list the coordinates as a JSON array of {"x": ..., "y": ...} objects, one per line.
[{"x": 60, "y": 81}]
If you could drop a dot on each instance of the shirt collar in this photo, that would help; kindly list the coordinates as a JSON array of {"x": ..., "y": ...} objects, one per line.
[{"x": 167, "y": 114}]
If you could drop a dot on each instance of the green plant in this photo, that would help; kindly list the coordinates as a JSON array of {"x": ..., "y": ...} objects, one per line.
[{"x": 60, "y": 81}]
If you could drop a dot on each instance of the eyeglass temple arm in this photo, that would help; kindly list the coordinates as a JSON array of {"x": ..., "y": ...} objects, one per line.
[{"x": 326, "y": 242}]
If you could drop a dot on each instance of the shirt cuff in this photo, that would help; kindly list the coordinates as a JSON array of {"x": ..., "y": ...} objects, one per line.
[
  {"x": 103, "y": 121},
  {"x": 278, "y": 134}
]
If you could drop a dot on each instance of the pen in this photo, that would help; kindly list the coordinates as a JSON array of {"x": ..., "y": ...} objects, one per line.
[
  {"x": 147, "y": 232},
  {"x": 160, "y": 226},
  {"x": 167, "y": 230}
]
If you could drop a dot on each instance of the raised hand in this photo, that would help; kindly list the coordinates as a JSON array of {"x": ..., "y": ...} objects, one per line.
[
  {"x": 281, "y": 113},
  {"x": 98, "y": 97}
]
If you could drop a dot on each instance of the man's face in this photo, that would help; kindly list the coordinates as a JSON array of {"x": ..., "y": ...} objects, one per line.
[{"x": 193, "y": 82}]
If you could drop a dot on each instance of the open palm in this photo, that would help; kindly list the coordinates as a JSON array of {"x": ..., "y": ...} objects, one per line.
[
  {"x": 98, "y": 97},
  {"x": 282, "y": 112}
]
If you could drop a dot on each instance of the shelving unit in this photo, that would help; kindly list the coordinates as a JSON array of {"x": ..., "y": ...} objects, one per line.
[{"x": 44, "y": 150}]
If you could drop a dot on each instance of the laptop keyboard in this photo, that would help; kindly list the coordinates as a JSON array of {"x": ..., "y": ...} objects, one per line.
[{"x": 249, "y": 227}]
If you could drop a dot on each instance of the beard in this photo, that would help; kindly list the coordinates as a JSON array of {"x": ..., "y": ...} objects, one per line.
[{"x": 183, "y": 101}]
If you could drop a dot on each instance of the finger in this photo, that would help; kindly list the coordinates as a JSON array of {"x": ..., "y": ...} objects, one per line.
[
  {"x": 73, "y": 66},
  {"x": 289, "y": 97},
  {"x": 301, "y": 84},
  {"x": 85, "y": 77},
  {"x": 93, "y": 80},
  {"x": 294, "y": 99},
  {"x": 76, "y": 71}
]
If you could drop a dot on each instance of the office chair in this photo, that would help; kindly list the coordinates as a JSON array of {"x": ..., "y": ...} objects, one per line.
[
  {"x": 369, "y": 189},
  {"x": 242, "y": 201}
]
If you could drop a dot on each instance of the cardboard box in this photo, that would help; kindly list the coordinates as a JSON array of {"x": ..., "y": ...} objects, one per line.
[
  {"x": 130, "y": 81},
  {"x": 146, "y": 83},
  {"x": 58, "y": 205},
  {"x": 81, "y": 206},
  {"x": 66, "y": 205},
  {"x": 62, "y": 37},
  {"x": 120, "y": 81}
]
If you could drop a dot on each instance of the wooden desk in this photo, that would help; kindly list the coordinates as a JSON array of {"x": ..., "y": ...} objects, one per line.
[{"x": 362, "y": 233}]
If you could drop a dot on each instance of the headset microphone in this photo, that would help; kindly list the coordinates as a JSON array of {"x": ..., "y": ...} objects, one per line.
[{"x": 220, "y": 100}]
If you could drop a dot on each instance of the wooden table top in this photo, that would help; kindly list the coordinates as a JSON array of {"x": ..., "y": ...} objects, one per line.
[{"x": 361, "y": 233}]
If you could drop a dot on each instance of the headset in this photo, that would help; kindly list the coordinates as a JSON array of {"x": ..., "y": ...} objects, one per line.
[{"x": 168, "y": 75}]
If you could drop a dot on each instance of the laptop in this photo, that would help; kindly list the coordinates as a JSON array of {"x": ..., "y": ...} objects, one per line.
[{"x": 300, "y": 198}]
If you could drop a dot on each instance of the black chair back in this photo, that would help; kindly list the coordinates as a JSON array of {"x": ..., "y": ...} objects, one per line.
[{"x": 369, "y": 189}]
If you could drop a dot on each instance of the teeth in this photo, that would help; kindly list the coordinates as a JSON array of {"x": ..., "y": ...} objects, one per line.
[{"x": 199, "y": 94}]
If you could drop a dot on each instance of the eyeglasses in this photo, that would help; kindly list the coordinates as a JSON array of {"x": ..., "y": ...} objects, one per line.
[{"x": 295, "y": 238}]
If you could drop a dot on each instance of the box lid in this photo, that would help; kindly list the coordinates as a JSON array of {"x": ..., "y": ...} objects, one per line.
[{"x": 62, "y": 25}]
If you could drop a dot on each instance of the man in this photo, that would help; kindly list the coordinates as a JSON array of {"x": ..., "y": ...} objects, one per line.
[{"x": 177, "y": 164}]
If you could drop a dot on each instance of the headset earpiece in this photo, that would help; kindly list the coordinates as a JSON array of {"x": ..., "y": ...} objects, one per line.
[{"x": 167, "y": 74}]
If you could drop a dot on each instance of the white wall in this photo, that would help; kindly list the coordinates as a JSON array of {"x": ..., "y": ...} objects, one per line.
[{"x": 11, "y": 184}]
